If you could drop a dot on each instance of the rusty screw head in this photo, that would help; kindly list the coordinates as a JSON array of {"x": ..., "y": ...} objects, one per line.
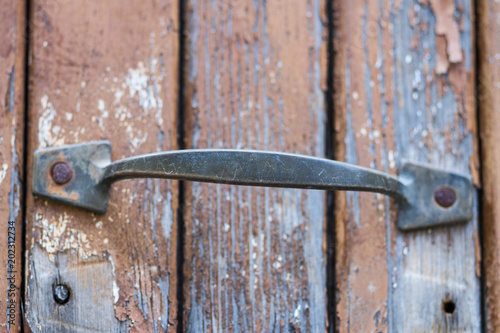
[
  {"x": 445, "y": 197},
  {"x": 61, "y": 173},
  {"x": 61, "y": 293}
]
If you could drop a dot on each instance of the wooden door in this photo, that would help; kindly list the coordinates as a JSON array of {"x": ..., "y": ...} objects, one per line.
[{"x": 372, "y": 83}]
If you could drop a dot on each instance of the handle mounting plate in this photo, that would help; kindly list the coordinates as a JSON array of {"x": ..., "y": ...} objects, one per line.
[
  {"x": 88, "y": 160},
  {"x": 83, "y": 190},
  {"x": 422, "y": 209}
]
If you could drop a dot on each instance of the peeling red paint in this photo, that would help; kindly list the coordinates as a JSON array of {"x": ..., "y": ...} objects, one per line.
[{"x": 447, "y": 26}]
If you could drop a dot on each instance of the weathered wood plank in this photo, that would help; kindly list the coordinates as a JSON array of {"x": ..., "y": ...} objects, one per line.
[
  {"x": 254, "y": 257},
  {"x": 404, "y": 91},
  {"x": 12, "y": 82},
  {"x": 105, "y": 70},
  {"x": 488, "y": 18}
]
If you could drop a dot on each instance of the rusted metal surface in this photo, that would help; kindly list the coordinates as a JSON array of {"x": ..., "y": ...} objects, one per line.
[
  {"x": 255, "y": 73},
  {"x": 404, "y": 90},
  {"x": 104, "y": 70},
  {"x": 12, "y": 63},
  {"x": 488, "y": 80}
]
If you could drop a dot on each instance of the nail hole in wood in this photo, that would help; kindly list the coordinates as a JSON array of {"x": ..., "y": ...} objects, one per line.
[
  {"x": 61, "y": 293},
  {"x": 449, "y": 306}
]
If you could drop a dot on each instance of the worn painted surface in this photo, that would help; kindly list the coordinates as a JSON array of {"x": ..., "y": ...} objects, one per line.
[
  {"x": 489, "y": 107},
  {"x": 12, "y": 57},
  {"x": 254, "y": 257},
  {"x": 404, "y": 90},
  {"x": 104, "y": 70}
]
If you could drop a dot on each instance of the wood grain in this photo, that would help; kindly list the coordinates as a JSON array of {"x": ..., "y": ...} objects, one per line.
[
  {"x": 254, "y": 257},
  {"x": 489, "y": 106},
  {"x": 104, "y": 70},
  {"x": 12, "y": 83},
  {"x": 404, "y": 90}
]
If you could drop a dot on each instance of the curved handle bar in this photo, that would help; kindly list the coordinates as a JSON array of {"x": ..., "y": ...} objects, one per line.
[
  {"x": 80, "y": 175},
  {"x": 254, "y": 168}
]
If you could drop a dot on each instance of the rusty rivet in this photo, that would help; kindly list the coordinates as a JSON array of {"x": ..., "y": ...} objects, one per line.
[
  {"x": 61, "y": 293},
  {"x": 61, "y": 173},
  {"x": 445, "y": 197}
]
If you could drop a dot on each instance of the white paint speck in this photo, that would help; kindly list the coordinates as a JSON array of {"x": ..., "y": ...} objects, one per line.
[
  {"x": 296, "y": 313},
  {"x": 116, "y": 292},
  {"x": 116, "y": 289},
  {"x": 3, "y": 172},
  {"x": 392, "y": 160},
  {"x": 101, "y": 106}
]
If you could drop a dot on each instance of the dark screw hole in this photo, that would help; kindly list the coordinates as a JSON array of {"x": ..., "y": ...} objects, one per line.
[
  {"x": 61, "y": 293},
  {"x": 449, "y": 306}
]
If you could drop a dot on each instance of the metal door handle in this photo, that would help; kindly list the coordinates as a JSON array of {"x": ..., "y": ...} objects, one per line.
[{"x": 80, "y": 175}]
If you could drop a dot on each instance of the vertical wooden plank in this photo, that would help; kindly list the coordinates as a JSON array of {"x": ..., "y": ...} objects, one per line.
[
  {"x": 488, "y": 19},
  {"x": 404, "y": 91},
  {"x": 254, "y": 80},
  {"x": 12, "y": 82},
  {"x": 105, "y": 70}
]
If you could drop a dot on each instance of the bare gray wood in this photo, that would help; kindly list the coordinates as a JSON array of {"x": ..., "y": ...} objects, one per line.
[{"x": 254, "y": 257}]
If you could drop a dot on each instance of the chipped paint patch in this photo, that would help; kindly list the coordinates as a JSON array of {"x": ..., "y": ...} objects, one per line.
[
  {"x": 57, "y": 235},
  {"x": 47, "y": 133},
  {"x": 141, "y": 84},
  {"x": 448, "y": 46}
]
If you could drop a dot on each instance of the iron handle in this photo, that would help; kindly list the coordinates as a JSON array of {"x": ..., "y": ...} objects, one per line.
[{"x": 81, "y": 174}]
